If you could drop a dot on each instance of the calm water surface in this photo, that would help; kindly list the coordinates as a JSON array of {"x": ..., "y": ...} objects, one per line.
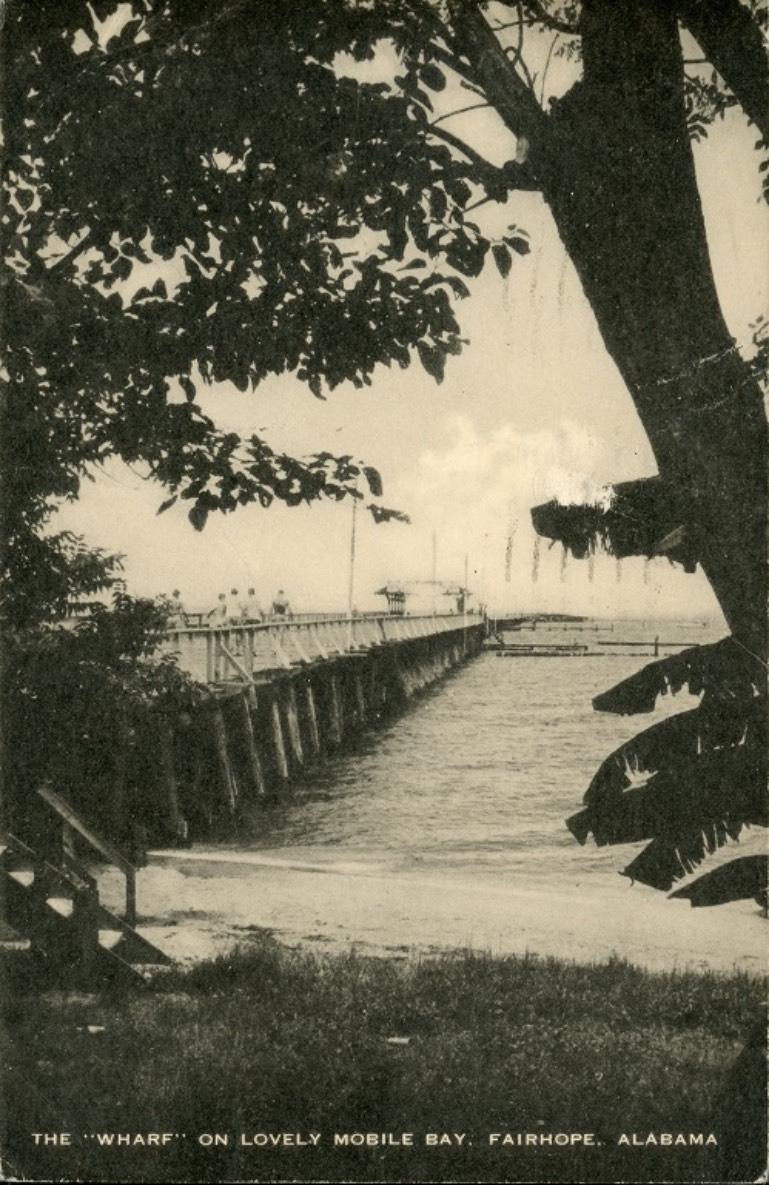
[{"x": 480, "y": 773}]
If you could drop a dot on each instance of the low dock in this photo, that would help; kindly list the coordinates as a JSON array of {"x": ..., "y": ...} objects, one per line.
[{"x": 540, "y": 650}]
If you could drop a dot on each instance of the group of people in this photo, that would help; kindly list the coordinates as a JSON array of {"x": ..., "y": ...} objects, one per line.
[{"x": 235, "y": 609}]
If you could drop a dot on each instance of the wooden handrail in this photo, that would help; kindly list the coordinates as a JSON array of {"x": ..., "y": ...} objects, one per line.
[{"x": 111, "y": 853}]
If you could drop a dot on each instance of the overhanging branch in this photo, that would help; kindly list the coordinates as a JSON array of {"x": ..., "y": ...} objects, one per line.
[
  {"x": 513, "y": 176},
  {"x": 733, "y": 43},
  {"x": 515, "y": 102}
]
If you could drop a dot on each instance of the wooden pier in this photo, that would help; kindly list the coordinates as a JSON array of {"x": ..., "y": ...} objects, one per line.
[
  {"x": 272, "y": 702},
  {"x": 240, "y": 653},
  {"x": 284, "y": 696}
]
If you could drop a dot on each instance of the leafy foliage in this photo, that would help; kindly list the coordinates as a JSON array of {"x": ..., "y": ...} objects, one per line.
[
  {"x": 744, "y": 877},
  {"x": 692, "y": 782},
  {"x": 727, "y": 671},
  {"x": 223, "y": 193},
  {"x": 259, "y": 256},
  {"x": 83, "y": 702},
  {"x": 687, "y": 784},
  {"x": 55, "y": 572},
  {"x": 142, "y": 264},
  {"x": 642, "y": 517}
]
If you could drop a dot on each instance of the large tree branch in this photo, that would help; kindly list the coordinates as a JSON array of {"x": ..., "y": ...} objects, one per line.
[
  {"x": 505, "y": 90},
  {"x": 513, "y": 176},
  {"x": 69, "y": 256},
  {"x": 623, "y": 190},
  {"x": 456, "y": 142},
  {"x": 733, "y": 43}
]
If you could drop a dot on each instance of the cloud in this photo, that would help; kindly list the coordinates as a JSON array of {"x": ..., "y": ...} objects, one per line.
[
  {"x": 475, "y": 494},
  {"x": 509, "y": 465}
]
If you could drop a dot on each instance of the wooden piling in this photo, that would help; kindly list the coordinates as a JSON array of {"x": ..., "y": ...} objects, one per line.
[
  {"x": 360, "y": 698},
  {"x": 335, "y": 712},
  {"x": 281, "y": 761},
  {"x": 247, "y": 702},
  {"x": 292, "y": 720},
  {"x": 229, "y": 784},
  {"x": 312, "y": 719}
]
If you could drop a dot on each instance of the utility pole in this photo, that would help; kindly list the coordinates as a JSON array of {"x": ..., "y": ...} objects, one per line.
[
  {"x": 351, "y": 585},
  {"x": 464, "y": 609},
  {"x": 433, "y": 578}
]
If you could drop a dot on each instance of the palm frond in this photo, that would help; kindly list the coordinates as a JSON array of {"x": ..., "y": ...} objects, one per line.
[
  {"x": 669, "y": 858},
  {"x": 722, "y": 669},
  {"x": 723, "y": 788},
  {"x": 689, "y": 783},
  {"x": 744, "y": 878}
]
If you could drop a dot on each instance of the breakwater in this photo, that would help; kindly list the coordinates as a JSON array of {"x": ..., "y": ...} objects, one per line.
[{"x": 282, "y": 697}]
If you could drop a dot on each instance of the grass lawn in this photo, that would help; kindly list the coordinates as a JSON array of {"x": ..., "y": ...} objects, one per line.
[{"x": 378, "y": 1066}]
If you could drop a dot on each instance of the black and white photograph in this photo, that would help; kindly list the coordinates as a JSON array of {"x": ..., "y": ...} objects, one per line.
[{"x": 383, "y": 505}]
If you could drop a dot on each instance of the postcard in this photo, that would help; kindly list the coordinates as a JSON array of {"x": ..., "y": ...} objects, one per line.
[{"x": 384, "y": 585}]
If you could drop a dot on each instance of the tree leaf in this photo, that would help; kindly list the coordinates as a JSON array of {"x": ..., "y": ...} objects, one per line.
[
  {"x": 502, "y": 259},
  {"x": 519, "y": 245},
  {"x": 432, "y": 359},
  {"x": 383, "y": 514},
  {"x": 198, "y": 516},
  {"x": 433, "y": 77},
  {"x": 722, "y": 669},
  {"x": 687, "y": 784},
  {"x": 374, "y": 480},
  {"x": 188, "y": 387},
  {"x": 743, "y": 878}
]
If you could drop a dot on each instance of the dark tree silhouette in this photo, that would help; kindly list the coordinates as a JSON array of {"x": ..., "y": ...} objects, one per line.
[
  {"x": 225, "y": 191},
  {"x": 214, "y": 194}
]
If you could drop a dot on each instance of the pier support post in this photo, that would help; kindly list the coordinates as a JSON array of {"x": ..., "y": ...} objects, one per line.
[
  {"x": 248, "y": 702},
  {"x": 292, "y": 720},
  {"x": 280, "y": 747},
  {"x": 360, "y": 698},
  {"x": 229, "y": 783},
  {"x": 312, "y": 719},
  {"x": 335, "y": 710}
]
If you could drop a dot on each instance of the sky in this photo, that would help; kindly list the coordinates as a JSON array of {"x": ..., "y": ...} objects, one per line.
[{"x": 534, "y": 408}]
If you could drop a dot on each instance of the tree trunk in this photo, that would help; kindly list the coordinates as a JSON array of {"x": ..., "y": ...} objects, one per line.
[{"x": 622, "y": 187}]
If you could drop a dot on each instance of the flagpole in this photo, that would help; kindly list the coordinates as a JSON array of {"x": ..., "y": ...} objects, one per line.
[{"x": 351, "y": 585}]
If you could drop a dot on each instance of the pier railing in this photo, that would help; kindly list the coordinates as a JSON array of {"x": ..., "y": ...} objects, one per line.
[{"x": 235, "y": 652}]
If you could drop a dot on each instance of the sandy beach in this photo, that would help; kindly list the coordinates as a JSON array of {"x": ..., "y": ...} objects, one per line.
[{"x": 198, "y": 905}]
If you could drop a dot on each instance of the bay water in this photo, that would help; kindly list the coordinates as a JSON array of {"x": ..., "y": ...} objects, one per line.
[{"x": 478, "y": 775}]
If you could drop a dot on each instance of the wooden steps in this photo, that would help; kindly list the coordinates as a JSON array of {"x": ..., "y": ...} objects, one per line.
[{"x": 56, "y": 907}]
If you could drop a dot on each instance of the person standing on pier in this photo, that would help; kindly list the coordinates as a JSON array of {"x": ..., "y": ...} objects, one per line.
[
  {"x": 177, "y": 618},
  {"x": 250, "y": 609},
  {"x": 220, "y": 612},
  {"x": 235, "y": 616},
  {"x": 281, "y": 606}
]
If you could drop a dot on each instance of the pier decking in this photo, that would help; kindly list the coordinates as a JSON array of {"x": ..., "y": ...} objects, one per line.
[
  {"x": 242, "y": 653},
  {"x": 284, "y": 696}
]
